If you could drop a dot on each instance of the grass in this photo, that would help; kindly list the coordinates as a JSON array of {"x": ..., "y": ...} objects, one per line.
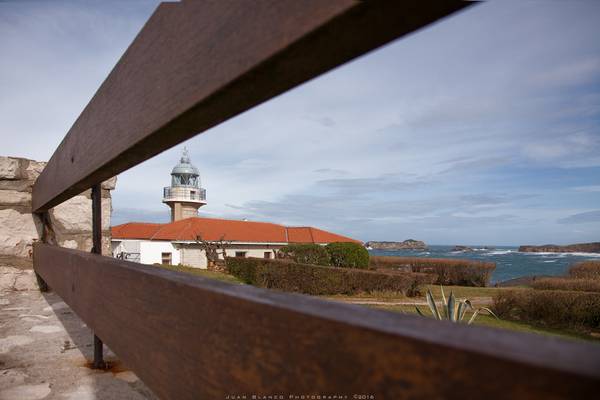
[
  {"x": 488, "y": 320},
  {"x": 203, "y": 272},
  {"x": 478, "y": 295},
  {"x": 464, "y": 291},
  {"x": 469, "y": 292}
]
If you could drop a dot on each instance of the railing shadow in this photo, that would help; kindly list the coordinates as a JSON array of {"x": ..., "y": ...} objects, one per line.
[{"x": 116, "y": 381}]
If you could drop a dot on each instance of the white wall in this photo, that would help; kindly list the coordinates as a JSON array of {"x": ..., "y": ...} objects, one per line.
[
  {"x": 250, "y": 252},
  {"x": 193, "y": 256},
  {"x": 151, "y": 252},
  {"x": 130, "y": 248},
  {"x": 188, "y": 254}
]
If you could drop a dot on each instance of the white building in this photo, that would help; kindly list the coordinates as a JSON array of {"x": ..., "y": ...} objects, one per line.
[{"x": 177, "y": 242}]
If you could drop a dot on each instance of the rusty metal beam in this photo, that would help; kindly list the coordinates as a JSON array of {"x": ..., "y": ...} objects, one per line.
[
  {"x": 189, "y": 337},
  {"x": 197, "y": 63},
  {"x": 98, "y": 362}
]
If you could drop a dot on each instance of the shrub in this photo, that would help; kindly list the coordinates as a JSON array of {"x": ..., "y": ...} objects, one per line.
[
  {"x": 319, "y": 280},
  {"x": 585, "y": 270},
  {"x": 305, "y": 253},
  {"x": 557, "y": 308},
  {"x": 449, "y": 271},
  {"x": 453, "y": 309},
  {"x": 348, "y": 255},
  {"x": 559, "y": 283}
]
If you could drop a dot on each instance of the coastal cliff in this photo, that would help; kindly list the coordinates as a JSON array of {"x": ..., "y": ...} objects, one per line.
[
  {"x": 571, "y": 248},
  {"x": 409, "y": 244}
]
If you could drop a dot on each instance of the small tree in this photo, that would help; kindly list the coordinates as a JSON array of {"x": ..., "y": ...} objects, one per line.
[{"x": 213, "y": 250}]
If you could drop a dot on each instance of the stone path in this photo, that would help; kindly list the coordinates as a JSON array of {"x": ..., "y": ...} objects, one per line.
[{"x": 45, "y": 349}]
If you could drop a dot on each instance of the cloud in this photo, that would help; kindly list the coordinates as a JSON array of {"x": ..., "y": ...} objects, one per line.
[
  {"x": 589, "y": 188},
  {"x": 575, "y": 72},
  {"x": 582, "y": 218},
  {"x": 123, "y": 215},
  {"x": 461, "y": 132},
  {"x": 577, "y": 146},
  {"x": 323, "y": 121},
  {"x": 331, "y": 171}
]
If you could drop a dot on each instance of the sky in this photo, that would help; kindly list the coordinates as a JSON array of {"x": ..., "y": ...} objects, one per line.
[{"x": 483, "y": 128}]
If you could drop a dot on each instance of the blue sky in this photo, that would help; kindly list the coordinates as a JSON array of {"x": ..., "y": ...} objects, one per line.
[{"x": 481, "y": 129}]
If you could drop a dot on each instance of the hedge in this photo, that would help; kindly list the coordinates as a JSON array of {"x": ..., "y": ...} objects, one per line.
[
  {"x": 585, "y": 270},
  {"x": 556, "y": 308},
  {"x": 305, "y": 254},
  {"x": 319, "y": 280},
  {"x": 448, "y": 271},
  {"x": 559, "y": 283},
  {"x": 348, "y": 255}
]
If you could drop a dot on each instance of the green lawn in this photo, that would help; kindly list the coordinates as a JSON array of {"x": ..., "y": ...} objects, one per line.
[
  {"x": 488, "y": 320},
  {"x": 473, "y": 293},
  {"x": 462, "y": 292},
  {"x": 479, "y": 296}
]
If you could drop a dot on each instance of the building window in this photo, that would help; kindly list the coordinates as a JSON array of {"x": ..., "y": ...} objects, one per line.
[
  {"x": 166, "y": 258},
  {"x": 268, "y": 254},
  {"x": 241, "y": 254}
]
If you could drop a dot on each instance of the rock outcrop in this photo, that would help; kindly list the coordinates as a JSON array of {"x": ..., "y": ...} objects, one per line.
[
  {"x": 571, "y": 248},
  {"x": 70, "y": 222},
  {"x": 465, "y": 249},
  {"x": 409, "y": 244}
]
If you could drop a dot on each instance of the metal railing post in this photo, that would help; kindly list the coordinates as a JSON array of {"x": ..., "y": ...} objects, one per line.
[{"x": 97, "y": 249}]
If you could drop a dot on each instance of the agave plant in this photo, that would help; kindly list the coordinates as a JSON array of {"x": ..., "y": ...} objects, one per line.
[{"x": 454, "y": 309}]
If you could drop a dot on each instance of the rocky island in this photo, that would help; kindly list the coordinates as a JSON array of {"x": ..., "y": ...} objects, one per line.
[
  {"x": 409, "y": 244},
  {"x": 465, "y": 249},
  {"x": 571, "y": 248}
]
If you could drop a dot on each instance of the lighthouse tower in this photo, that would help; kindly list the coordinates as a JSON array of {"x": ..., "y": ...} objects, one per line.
[{"x": 184, "y": 196}]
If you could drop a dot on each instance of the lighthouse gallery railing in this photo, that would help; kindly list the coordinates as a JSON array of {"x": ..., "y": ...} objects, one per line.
[
  {"x": 194, "y": 65},
  {"x": 183, "y": 193}
]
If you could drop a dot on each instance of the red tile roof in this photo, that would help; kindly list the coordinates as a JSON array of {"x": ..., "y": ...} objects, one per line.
[
  {"x": 135, "y": 230},
  {"x": 230, "y": 230}
]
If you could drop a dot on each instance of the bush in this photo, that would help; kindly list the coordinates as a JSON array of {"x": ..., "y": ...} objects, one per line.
[
  {"x": 305, "y": 254},
  {"x": 318, "y": 280},
  {"x": 449, "y": 271},
  {"x": 585, "y": 270},
  {"x": 348, "y": 255},
  {"x": 556, "y": 308},
  {"x": 576, "y": 284}
]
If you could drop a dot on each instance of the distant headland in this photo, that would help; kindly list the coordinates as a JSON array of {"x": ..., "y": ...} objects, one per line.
[
  {"x": 571, "y": 248},
  {"x": 409, "y": 244}
]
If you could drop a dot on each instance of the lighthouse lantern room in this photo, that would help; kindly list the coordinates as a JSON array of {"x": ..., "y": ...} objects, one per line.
[{"x": 184, "y": 196}]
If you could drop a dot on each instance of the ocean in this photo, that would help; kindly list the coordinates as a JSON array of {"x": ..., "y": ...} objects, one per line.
[{"x": 510, "y": 263}]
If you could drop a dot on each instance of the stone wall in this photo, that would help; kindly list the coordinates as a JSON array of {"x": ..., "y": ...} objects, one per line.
[{"x": 68, "y": 224}]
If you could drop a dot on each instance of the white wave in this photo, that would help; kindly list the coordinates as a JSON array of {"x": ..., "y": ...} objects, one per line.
[
  {"x": 556, "y": 254},
  {"x": 500, "y": 252},
  {"x": 550, "y": 261},
  {"x": 585, "y": 254}
]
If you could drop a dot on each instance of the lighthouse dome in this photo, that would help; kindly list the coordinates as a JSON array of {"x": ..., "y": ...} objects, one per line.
[
  {"x": 185, "y": 173},
  {"x": 185, "y": 166}
]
